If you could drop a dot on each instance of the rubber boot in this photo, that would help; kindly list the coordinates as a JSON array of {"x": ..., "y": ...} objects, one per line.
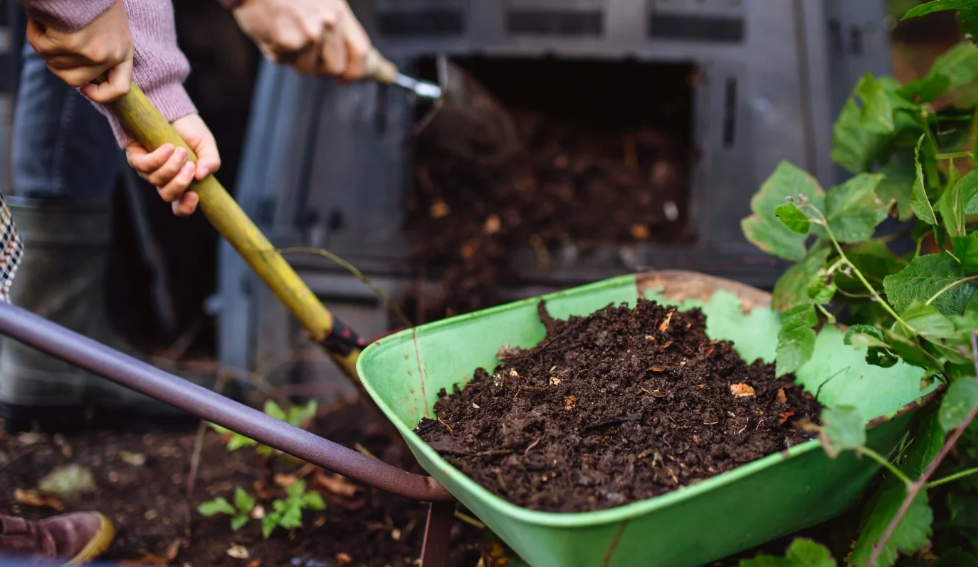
[{"x": 62, "y": 277}]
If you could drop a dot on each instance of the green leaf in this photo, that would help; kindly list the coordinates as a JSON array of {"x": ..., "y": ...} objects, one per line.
[
  {"x": 969, "y": 192},
  {"x": 313, "y": 501},
  {"x": 926, "y": 88},
  {"x": 239, "y": 522},
  {"x": 919, "y": 201},
  {"x": 929, "y": 322},
  {"x": 842, "y": 429},
  {"x": 218, "y": 505},
  {"x": 912, "y": 534},
  {"x": 951, "y": 207},
  {"x": 876, "y": 114},
  {"x": 875, "y": 261},
  {"x": 296, "y": 490},
  {"x": 853, "y": 210},
  {"x": 763, "y": 228},
  {"x": 796, "y": 339},
  {"x": 960, "y": 399},
  {"x": 937, "y": 6},
  {"x": 912, "y": 353},
  {"x": 268, "y": 524},
  {"x": 853, "y": 146},
  {"x": 299, "y": 415},
  {"x": 274, "y": 410},
  {"x": 242, "y": 501},
  {"x": 793, "y": 218},
  {"x": 896, "y": 187},
  {"x": 238, "y": 441},
  {"x": 927, "y": 442},
  {"x": 925, "y": 277},
  {"x": 292, "y": 518},
  {"x": 821, "y": 291},
  {"x": 873, "y": 336},
  {"x": 959, "y": 64},
  {"x": 802, "y": 553},
  {"x": 791, "y": 289},
  {"x": 966, "y": 251}
]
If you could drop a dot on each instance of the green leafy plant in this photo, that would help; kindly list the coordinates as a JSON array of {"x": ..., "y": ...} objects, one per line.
[
  {"x": 916, "y": 307},
  {"x": 298, "y": 416},
  {"x": 240, "y": 512},
  {"x": 288, "y": 513}
]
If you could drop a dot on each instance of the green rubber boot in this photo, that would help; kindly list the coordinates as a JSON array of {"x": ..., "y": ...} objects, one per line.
[{"x": 62, "y": 277}]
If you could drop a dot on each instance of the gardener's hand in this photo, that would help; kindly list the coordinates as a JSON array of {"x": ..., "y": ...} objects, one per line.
[
  {"x": 314, "y": 37},
  {"x": 104, "y": 46},
  {"x": 168, "y": 168}
]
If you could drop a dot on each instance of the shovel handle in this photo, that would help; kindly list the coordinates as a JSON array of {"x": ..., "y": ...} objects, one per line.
[
  {"x": 147, "y": 125},
  {"x": 378, "y": 68}
]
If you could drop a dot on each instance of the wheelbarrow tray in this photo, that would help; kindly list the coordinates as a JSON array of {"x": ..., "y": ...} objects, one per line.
[{"x": 757, "y": 502}]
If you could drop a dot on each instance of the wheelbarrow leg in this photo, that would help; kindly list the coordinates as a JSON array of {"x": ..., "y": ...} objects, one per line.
[{"x": 434, "y": 550}]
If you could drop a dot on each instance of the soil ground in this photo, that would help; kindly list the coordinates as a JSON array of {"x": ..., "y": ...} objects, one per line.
[
  {"x": 615, "y": 407},
  {"x": 141, "y": 485}
]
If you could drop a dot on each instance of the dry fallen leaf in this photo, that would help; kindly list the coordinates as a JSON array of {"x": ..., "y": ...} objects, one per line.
[
  {"x": 258, "y": 512},
  {"x": 336, "y": 484},
  {"x": 570, "y": 402},
  {"x": 782, "y": 399},
  {"x": 785, "y": 416},
  {"x": 238, "y": 552},
  {"x": 343, "y": 559},
  {"x": 37, "y": 500},
  {"x": 742, "y": 390},
  {"x": 134, "y": 459},
  {"x": 554, "y": 381},
  {"x": 254, "y": 563},
  {"x": 29, "y": 439},
  {"x": 284, "y": 480}
]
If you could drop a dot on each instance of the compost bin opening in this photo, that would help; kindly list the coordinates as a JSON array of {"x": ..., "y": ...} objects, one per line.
[{"x": 606, "y": 162}]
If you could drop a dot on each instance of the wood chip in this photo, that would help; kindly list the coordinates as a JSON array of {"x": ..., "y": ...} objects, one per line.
[
  {"x": 238, "y": 552},
  {"x": 785, "y": 416},
  {"x": 570, "y": 402},
  {"x": 742, "y": 390},
  {"x": 37, "y": 500},
  {"x": 475, "y": 405},
  {"x": 656, "y": 368},
  {"x": 666, "y": 345},
  {"x": 554, "y": 380},
  {"x": 664, "y": 326},
  {"x": 782, "y": 399}
]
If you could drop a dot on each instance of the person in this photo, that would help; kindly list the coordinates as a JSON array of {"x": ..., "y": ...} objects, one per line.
[
  {"x": 60, "y": 167},
  {"x": 65, "y": 168}
]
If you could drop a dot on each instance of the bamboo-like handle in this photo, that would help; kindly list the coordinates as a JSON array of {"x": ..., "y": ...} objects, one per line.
[
  {"x": 145, "y": 123},
  {"x": 378, "y": 68}
]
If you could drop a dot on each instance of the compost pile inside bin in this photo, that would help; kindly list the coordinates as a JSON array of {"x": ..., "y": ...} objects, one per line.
[
  {"x": 573, "y": 189},
  {"x": 619, "y": 406}
]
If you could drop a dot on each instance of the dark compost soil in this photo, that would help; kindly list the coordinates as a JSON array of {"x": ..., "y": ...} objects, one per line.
[
  {"x": 593, "y": 172},
  {"x": 148, "y": 502},
  {"x": 615, "y": 407}
]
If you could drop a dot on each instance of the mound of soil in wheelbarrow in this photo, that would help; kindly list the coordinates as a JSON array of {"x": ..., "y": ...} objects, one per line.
[
  {"x": 140, "y": 483},
  {"x": 612, "y": 408},
  {"x": 573, "y": 189}
]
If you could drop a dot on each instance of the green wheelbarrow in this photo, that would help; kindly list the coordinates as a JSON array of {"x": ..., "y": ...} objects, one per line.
[{"x": 771, "y": 497}]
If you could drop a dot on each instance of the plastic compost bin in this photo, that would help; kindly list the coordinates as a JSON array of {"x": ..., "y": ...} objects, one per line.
[{"x": 757, "y": 502}]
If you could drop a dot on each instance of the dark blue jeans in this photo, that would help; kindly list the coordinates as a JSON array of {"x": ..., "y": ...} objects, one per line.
[{"x": 62, "y": 146}]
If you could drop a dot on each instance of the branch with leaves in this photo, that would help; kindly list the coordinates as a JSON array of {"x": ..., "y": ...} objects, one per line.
[{"x": 916, "y": 308}]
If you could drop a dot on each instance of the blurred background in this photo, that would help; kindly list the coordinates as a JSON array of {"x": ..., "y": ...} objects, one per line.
[{"x": 648, "y": 124}]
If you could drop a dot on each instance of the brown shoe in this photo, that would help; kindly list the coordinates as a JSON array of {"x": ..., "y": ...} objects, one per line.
[{"x": 73, "y": 539}]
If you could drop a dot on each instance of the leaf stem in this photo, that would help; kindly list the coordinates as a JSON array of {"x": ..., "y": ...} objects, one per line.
[
  {"x": 921, "y": 483},
  {"x": 952, "y": 478},
  {"x": 954, "y": 155},
  {"x": 886, "y": 463},
  {"x": 950, "y": 286},
  {"x": 828, "y": 315}
]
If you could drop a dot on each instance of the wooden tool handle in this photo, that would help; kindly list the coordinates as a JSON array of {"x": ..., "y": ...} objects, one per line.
[
  {"x": 145, "y": 123},
  {"x": 378, "y": 68}
]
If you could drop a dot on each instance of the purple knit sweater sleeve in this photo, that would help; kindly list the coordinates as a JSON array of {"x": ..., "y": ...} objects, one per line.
[{"x": 159, "y": 67}]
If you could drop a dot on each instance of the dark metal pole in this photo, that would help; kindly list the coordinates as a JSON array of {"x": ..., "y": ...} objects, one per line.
[{"x": 99, "y": 359}]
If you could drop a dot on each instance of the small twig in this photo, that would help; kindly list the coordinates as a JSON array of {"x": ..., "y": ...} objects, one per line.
[
  {"x": 195, "y": 461},
  {"x": 445, "y": 425},
  {"x": 889, "y": 466},
  {"x": 532, "y": 445},
  {"x": 921, "y": 482},
  {"x": 952, "y": 478}
]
